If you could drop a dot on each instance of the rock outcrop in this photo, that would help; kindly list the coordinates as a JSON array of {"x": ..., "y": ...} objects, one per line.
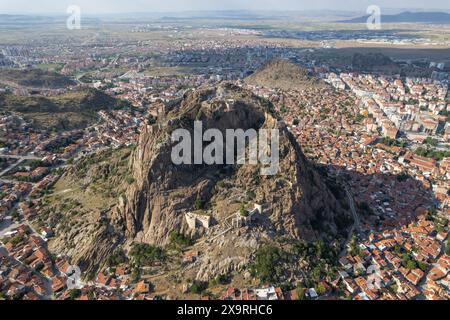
[
  {"x": 163, "y": 193},
  {"x": 295, "y": 202}
]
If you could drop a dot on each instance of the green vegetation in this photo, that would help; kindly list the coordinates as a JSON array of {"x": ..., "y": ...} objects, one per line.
[
  {"x": 402, "y": 177},
  {"x": 320, "y": 258},
  {"x": 15, "y": 215},
  {"x": 50, "y": 66},
  {"x": 199, "y": 203},
  {"x": 393, "y": 142},
  {"x": 25, "y": 166},
  {"x": 359, "y": 118},
  {"x": 17, "y": 239},
  {"x": 106, "y": 171},
  {"x": 179, "y": 240},
  {"x": 198, "y": 287},
  {"x": 36, "y": 78},
  {"x": 321, "y": 290},
  {"x": 445, "y": 113},
  {"x": 301, "y": 293},
  {"x": 129, "y": 179},
  {"x": 135, "y": 275},
  {"x": 266, "y": 264},
  {"x": 74, "y": 294},
  {"x": 73, "y": 109},
  {"x": 410, "y": 263},
  {"x": 440, "y": 223},
  {"x": 415, "y": 102},
  {"x": 432, "y": 153},
  {"x": 431, "y": 142},
  {"x": 144, "y": 254},
  {"x": 447, "y": 248},
  {"x": 223, "y": 279},
  {"x": 355, "y": 250},
  {"x": 243, "y": 211},
  {"x": 117, "y": 258},
  {"x": 408, "y": 260},
  {"x": 57, "y": 146}
]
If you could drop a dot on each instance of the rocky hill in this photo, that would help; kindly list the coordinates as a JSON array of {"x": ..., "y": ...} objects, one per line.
[
  {"x": 282, "y": 74},
  {"x": 34, "y": 78},
  {"x": 296, "y": 202},
  {"x": 73, "y": 109}
]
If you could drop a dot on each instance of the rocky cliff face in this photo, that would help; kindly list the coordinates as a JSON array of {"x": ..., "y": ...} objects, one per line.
[
  {"x": 154, "y": 195},
  {"x": 163, "y": 192}
]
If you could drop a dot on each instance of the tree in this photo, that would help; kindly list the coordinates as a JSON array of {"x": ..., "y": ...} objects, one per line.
[
  {"x": 265, "y": 262},
  {"x": 301, "y": 293},
  {"x": 74, "y": 293},
  {"x": 431, "y": 141},
  {"x": 359, "y": 118},
  {"x": 118, "y": 257},
  {"x": 354, "y": 248},
  {"x": 422, "y": 266},
  {"x": 243, "y": 211},
  {"x": 411, "y": 265},
  {"x": 178, "y": 239},
  {"x": 447, "y": 248},
  {"x": 408, "y": 261},
  {"x": 15, "y": 215},
  {"x": 198, "y": 287},
  {"x": 136, "y": 275},
  {"x": 199, "y": 204},
  {"x": 145, "y": 254},
  {"x": 316, "y": 273},
  {"x": 321, "y": 290},
  {"x": 223, "y": 279},
  {"x": 402, "y": 177}
]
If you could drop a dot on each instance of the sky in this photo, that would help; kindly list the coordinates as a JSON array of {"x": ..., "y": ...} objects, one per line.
[{"x": 127, "y": 6}]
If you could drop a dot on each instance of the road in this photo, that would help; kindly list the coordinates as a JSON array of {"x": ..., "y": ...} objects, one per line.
[
  {"x": 20, "y": 159},
  {"x": 7, "y": 225},
  {"x": 29, "y": 157},
  {"x": 15, "y": 164},
  {"x": 356, "y": 221}
]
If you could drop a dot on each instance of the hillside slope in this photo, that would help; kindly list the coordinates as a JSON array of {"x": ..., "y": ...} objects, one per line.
[
  {"x": 74, "y": 109},
  {"x": 35, "y": 78},
  {"x": 282, "y": 74},
  {"x": 296, "y": 202}
]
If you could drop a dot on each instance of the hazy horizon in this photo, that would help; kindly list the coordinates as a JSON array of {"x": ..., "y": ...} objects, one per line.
[{"x": 161, "y": 6}]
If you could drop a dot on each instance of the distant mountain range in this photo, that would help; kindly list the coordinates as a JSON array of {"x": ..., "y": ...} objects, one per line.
[{"x": 422, "y": 17}]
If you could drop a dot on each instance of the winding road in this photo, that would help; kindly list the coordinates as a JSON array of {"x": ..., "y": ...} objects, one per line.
[{"x": 356, "y": 221}]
